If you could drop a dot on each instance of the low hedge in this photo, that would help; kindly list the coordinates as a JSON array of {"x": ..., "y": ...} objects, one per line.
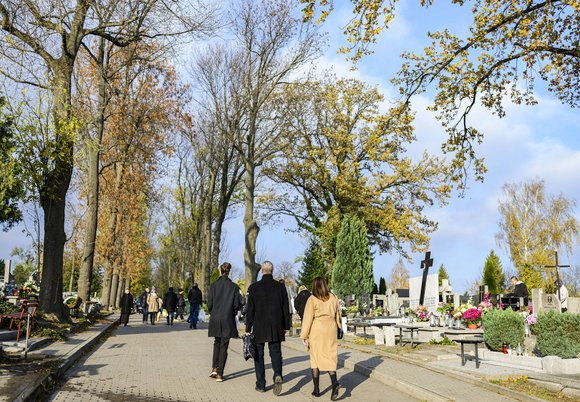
[
  {"x": 558, "y": 334},
  {"x": 501, "y": 326}
]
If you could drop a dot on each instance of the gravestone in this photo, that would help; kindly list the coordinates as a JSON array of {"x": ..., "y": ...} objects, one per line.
[
  {"x": 456, "y": 300},
  {"x": 446, "y": 291},
  {"x": 393, "y": 303},
  {"x": 431, "y": 297},
  {"x": 550, "y": 302}
]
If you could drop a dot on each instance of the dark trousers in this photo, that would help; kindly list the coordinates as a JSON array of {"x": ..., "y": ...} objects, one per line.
[
  {"x": 275, "y": 349},
  {"x": 170, "y": 316},
  {"x": 145, "y": 312},
  {"x": 220, "y": 354},
  {"x": 193, "y": 315}
]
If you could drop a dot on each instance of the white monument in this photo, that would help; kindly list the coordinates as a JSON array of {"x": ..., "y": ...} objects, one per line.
[{"x": 431, "y": 292}]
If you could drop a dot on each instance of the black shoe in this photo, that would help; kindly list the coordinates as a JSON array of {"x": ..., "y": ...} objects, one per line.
[
  {"x": 277, "y": 385},
  {"x": 316, "y": 392},
  {"x": 260, "y": 389},
  {"x": 334, "y": 395},
  {"x": 191, "y": 327}
]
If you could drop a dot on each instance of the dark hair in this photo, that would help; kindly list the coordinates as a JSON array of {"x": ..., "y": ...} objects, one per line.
[
  {"x": 320, "y": 288},
  {"x": 515, "y": 277},
  {"x": 171, "y": 289},
  {"x": 225, "y": 268}
]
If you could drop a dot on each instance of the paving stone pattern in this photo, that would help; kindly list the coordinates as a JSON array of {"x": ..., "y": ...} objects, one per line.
[{"x": 141, "y": 362}]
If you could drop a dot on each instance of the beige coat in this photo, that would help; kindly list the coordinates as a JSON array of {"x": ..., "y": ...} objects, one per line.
[
  {"x": 319, "y": 325},
  {"x": 152, "y": 304}
]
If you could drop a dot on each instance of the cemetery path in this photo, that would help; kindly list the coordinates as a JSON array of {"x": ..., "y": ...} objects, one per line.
[{"x": 158, "y": 363}]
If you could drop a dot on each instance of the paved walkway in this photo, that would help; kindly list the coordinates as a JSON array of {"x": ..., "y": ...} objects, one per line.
[{"x": 160, "y": 363}]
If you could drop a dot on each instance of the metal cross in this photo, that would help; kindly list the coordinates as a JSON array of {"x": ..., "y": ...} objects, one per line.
[
  {"x": 425, "y": 264},
  {"x": 557, "y": 273}
]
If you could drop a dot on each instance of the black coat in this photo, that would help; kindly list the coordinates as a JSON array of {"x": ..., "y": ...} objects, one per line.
[
  {"x": 195, "y": 296},
  {"x": 223, "y": 302},
  {"x": 127, "y": 303},
  {"x": 300, "y": 302},
  {"x": 170, "y": 302},
  {"x": 521, "y": 290},
  {"x": 268, "y": 312}
]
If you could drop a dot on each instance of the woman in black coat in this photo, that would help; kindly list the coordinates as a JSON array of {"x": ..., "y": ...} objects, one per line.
[
  {"x": 223, "y": 302},
  {"x": 301, "y": 299},
  {"x": 126, "y": 306}
]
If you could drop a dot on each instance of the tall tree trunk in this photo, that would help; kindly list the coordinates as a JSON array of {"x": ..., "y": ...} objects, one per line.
[
  {"x": 114, "y": 287},
  {"x": 120, "y": 290},
  {"x": 251, "y": 228},
  {"x": 107, "y": 279},
  {"x": 53, "y": 194},
  {"x": 93, "y": 148}
]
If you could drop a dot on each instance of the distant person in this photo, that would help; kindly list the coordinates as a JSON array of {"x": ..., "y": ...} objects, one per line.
[
  {"x": 562, "y": 293},
  {"x": 268, "y": 318},
  {"x": 180, "y": 305},
  {"x": 319, "y": 333},
  {"x": 520, "y": 289},
  {"x": 195, "y": 298},
  {"x": 126, "y": 306},
  {"x": 143, "y": 301},
  {"x": 152, "y": 305},
  {"x": 170, "y": 304},
  {"x": 301, "y": 299},
  {"x": 223, "y": 302}
]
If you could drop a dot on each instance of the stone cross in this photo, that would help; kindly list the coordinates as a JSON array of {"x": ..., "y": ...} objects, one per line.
[{"x": 425, "y": 264}]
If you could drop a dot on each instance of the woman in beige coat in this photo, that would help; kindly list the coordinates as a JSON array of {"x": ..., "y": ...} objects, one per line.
[
  {"x": 152, "y": 305},
  {"x": 319, "y": 333}
]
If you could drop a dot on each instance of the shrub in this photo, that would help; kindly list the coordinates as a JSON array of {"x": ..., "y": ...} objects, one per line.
[
  {"x": 7, "y": 308},
  {"x": 558, "y": 334},
  {"x": 501, "y": 326}
]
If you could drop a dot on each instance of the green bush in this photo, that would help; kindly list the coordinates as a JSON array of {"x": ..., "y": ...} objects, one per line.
[
  {"x": 558, "y": 334},
  {"x": 7, "y": 307},
  {"x": 501, "y": 326}
]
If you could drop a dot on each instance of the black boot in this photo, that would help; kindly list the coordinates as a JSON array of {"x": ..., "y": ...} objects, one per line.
[
  {"x": 335, "y": 386},
  {"x": 316, "y": 382}
]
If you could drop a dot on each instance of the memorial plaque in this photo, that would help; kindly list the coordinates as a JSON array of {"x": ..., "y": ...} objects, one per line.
[{"x": 550, "y": 302}]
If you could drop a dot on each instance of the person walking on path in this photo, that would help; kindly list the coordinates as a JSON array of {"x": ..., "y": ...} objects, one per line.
[
  {"x": 180, "y": 304},
  {"x": 152, "y": 306},
  {"x": 170, "y": 304},
  {"x": 268, "y": 319},
  {"x": 319, "y": 333},
  {"x": 143, "y": 301},
  {"x": 301, "y": 299},
  {"x": 194, "y": 296},
  {"x": 223, "y": 302},
  {"x": 126, "y": 307}
]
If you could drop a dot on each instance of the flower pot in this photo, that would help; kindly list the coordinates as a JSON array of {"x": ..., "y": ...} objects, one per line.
[{"x": 472, "y": 326}]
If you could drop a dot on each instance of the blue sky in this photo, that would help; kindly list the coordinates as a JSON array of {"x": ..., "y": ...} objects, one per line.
[{"x": 539, "y": 141}]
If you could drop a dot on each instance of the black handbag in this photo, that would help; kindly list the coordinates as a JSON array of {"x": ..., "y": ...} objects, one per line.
[
  {"x": 339, "y": 333},
  {"x": 249, "y": 346}
]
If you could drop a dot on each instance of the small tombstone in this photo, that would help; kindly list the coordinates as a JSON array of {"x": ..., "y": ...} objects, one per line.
[
  {"x": 379, "y": 336},
  {"x": 446, "y": 291},
  {"x": 389, "y": 336},
  {"x": 393, "y": 304},
  {"x": 550, "y": 302},
  {"x": 456, "y": 300}
]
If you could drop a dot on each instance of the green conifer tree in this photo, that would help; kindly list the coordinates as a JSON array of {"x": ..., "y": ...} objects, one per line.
[
  {"x": 443, "y": 274},
  {"x": 352, "y": 272},
  {"x": 382, "y": 286},
  {"x": 493, "y": 275},
  {"x": 375, "y": 290},
  {"x": 312, "y": 265}
]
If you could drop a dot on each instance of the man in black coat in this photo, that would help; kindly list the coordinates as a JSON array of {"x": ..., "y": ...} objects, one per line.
[
  {"x": 170, "y": 304},
  {"x": 195, "y": 298},
  {"x": 520, "y": 289},
  {"x": 223, "y": 302},
  {"x": 268, "y": 318}
]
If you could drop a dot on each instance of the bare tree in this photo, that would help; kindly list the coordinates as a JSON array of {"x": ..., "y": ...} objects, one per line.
[{"x": 274, "y": 42}]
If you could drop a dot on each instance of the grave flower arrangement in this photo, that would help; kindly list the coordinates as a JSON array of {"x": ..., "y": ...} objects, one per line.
[
  {"x": 485, "y": 304},
  {"x": 472, "y": 315},
  {"x": 33, "y": 290},
  {"x": 421, "y": 313},
  {"x": 444, "y": 308}
]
